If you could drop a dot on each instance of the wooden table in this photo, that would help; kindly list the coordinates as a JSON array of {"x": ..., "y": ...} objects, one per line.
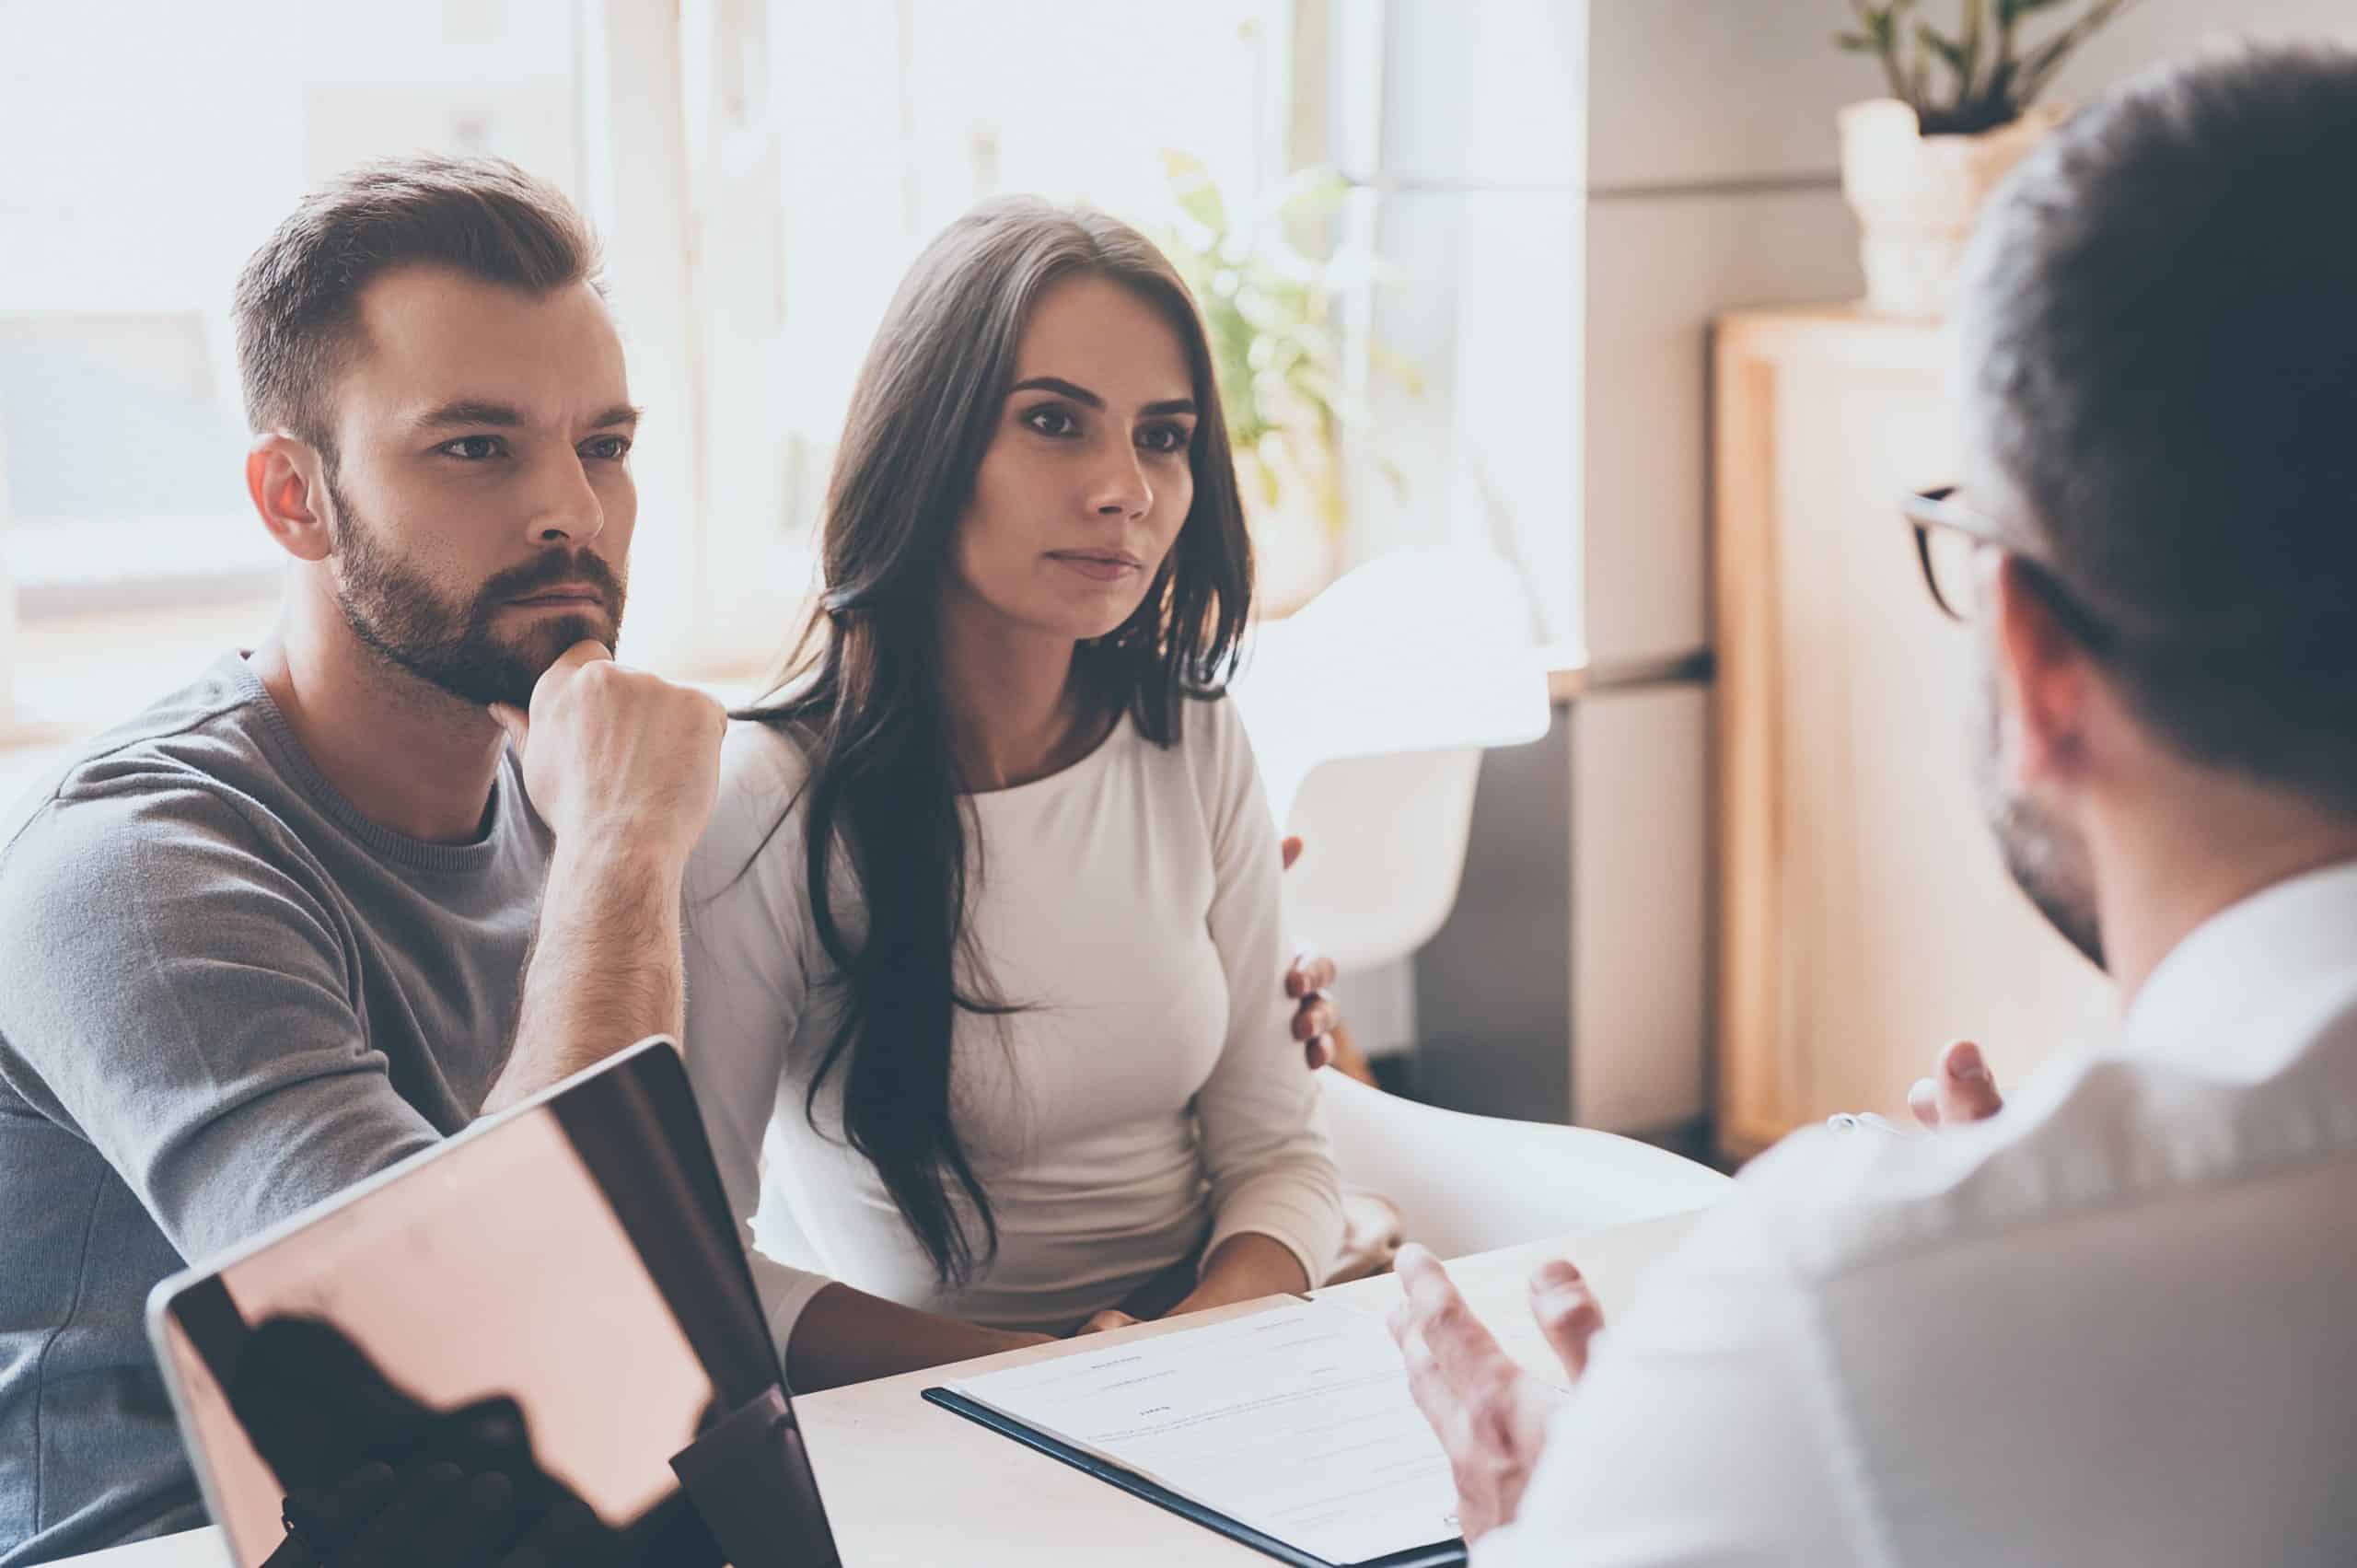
[{"x": 907, "y": 1482}]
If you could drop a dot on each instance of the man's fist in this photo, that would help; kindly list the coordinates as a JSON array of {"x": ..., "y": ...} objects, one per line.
[{"x": 615, "y": 758}]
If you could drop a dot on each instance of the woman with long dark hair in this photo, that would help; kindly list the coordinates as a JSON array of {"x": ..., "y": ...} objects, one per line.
[{"x": 986, "y": 1013}]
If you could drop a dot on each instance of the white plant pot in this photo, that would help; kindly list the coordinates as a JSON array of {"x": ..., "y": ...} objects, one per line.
[{"x": 1917, "y": 196}]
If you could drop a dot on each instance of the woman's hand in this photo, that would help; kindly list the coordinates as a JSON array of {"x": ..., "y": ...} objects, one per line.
[{"x": 1111, "y": 1317}]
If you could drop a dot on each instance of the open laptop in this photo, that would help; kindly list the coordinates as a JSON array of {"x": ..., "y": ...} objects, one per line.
[{"x": 556, "y": 1294}]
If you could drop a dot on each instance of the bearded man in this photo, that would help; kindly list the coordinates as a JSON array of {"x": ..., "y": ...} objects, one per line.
[
  {"x": 413, "y": 859},
  {"x": 2110, "y": 1323}
]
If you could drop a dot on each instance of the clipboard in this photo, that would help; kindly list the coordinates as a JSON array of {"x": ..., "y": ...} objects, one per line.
[{"x": 1439, "y": 1554}]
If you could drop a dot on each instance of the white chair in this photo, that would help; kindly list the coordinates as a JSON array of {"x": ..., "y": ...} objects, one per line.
[
  {"x": 1369, "y": 710},
  {"x": 1472, "y": 1183}
]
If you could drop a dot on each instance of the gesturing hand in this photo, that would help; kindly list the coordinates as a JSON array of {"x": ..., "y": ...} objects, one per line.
[
  {"x": 1960, "y": 1090},
  {"x": 1489, "y": 1415},
  {"x": 617, "y": 755}
]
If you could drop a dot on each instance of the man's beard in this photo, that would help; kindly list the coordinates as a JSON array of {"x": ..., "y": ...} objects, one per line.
[
  {"x": 396, "y": 611},
  {"x": 2046, "y": 859}
]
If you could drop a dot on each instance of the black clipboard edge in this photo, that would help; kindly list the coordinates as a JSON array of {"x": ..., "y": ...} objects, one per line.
[{"x": 1447, "y": 1554}]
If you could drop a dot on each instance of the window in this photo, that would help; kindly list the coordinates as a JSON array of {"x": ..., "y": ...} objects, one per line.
[
  {"x": 150, "y": 150},
  {"x": 762, "y": 173}
]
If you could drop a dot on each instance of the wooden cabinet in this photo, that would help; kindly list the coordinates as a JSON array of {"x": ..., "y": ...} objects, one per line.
[{"x": 1864, "y": 917}]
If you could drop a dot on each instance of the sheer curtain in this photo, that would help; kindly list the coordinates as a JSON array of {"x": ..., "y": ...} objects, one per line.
[{"x": 764, "y": 170}]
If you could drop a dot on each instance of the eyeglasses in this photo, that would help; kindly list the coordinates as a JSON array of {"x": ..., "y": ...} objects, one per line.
[{"x": 1948, "y": 534}]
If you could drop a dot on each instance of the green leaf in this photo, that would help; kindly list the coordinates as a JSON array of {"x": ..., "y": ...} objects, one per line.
[
  {"x": 1398, "y": 369},
  {"x": 1972, "y": 41},
  {"x": 1198, "y": 195},
  {"x": 1182, "y": 169},
  {"x": 1947, "y": 49},
  {"x": 1268, "y": 310},
  {"x": 1856, "y": 42},
  {"x": 1309, "y": 194}
]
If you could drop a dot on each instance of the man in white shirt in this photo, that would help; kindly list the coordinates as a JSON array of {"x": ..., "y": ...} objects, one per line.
[{"x": 2113, "y": 1322}]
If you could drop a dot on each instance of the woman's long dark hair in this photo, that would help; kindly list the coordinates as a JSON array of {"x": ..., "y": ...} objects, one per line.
[{"x": 861, "y": 692}]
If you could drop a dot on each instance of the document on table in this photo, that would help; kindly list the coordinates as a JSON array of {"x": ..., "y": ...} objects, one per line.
[{"x": 1296, "y": 1421}]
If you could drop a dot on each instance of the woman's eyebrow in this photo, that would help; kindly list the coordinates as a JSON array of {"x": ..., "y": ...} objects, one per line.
[
  {"x": 1061, "y": 387},
  {"x": 1083, "y": 396}
]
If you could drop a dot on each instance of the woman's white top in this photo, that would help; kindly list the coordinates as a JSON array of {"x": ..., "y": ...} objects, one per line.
[{"x": 1149, "y": 1103}]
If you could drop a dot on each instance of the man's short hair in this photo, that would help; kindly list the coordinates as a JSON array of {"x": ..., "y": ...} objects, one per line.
[
  {"x": 2159, "y": 353},
  {"x": 298, "y": 301}
]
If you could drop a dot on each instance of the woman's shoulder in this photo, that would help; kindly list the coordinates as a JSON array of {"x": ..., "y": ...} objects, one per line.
[
  {"x": 1213, "y": 740},
  {"x": 1207, "y": 761},
  {"x": 762, "y": 754},
  {"x": 762, "y": 770}
]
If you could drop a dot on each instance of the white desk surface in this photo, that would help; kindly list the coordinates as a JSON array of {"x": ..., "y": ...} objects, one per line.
[
  {"x": 191, "y": 1549},
  {"x": 908, "y": 1482}
]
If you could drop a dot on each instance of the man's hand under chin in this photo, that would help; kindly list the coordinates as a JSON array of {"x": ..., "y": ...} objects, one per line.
[
  {"x": 623, "y": 767},
  {"x": 616, "y": 758},
  {"x": 1490, "y": 1416}
]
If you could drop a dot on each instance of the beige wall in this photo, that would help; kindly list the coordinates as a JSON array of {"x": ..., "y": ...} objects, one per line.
[{"x": 1702, "y": 176}]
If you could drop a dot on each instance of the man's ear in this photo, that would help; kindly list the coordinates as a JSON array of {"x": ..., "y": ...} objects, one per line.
[
  {"x": 288, "y": 484},
  {"x": 2046, "y": 676}
]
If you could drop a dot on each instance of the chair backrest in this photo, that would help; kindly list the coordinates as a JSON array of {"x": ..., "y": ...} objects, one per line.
[
  {"x": 1386, "y": 837},
  {"x": 1472, "y": 1183},
  {"x": 1369, "y": 709},
  {"x": 1418, "y": 651}
]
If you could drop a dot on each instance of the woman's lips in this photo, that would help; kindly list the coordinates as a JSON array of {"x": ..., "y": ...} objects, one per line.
[{"x": 1098, "y": 568}]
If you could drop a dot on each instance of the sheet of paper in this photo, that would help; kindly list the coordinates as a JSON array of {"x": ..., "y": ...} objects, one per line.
[{"x": 1296, "y": 1422}]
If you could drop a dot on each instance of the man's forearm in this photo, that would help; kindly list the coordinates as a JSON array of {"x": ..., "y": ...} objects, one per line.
[
  {"x": 847, "y": 1336},
  {"x": 605, "y": 968}
]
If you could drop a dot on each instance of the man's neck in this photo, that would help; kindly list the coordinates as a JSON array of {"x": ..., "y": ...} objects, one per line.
[
  {"x": 2182, "y": 853},
  {"x": 409, "y": 757}
]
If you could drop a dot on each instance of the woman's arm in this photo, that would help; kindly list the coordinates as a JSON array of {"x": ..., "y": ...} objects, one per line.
[
  {"x": 1245, "y": 1266},
  {"x": 1276, "y": 1200},
  {"x": 746, "y": 987},
  {"x": 847, "y": 1336}
]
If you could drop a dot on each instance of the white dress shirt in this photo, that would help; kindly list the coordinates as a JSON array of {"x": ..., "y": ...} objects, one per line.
[
  {"x": 2118, "y": 1324},
  {"x": 1148, "y": 1104}
]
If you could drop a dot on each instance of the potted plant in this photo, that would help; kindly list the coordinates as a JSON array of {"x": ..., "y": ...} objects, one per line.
[
  {"x": 1267, "y": 309},
  {"x": 1962, "y": 112}
]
